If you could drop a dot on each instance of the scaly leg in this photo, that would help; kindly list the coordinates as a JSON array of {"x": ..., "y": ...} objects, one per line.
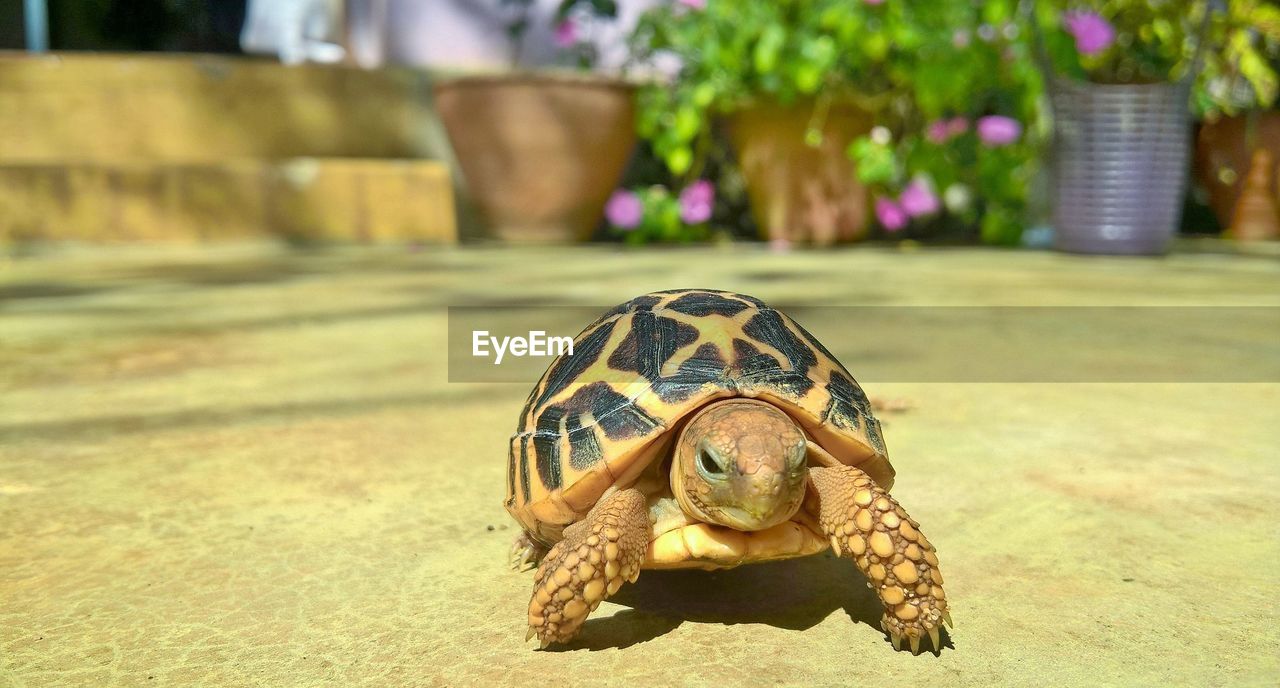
[
  {"x": 864, "y": 522},
  {"x": 597, "y": 554}
]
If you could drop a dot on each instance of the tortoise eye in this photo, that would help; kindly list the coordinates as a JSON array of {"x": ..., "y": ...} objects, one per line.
[{"x": 708, "y": 464}]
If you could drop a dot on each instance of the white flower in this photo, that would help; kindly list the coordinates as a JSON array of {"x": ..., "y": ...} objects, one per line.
[{"x": 957, "y": 198}]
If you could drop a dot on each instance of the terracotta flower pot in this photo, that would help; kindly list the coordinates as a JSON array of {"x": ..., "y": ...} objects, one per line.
[
  {"x": 1231, "y": 151},
  {"x": 1256, "y": 216},
  {"x": 540, "y": 152},
  {"x": 798, "y": 192}
]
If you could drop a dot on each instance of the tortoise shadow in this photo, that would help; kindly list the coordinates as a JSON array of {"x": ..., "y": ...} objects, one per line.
[{"x": 794, "y": 594}]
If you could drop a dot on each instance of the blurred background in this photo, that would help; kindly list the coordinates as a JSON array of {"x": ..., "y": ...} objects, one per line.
[
  {"x": 234, "y": 236},
  {"x": 1104, "y": 128}
]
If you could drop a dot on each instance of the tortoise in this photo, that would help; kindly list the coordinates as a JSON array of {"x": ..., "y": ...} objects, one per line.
[{"x": 702, "y": 428}]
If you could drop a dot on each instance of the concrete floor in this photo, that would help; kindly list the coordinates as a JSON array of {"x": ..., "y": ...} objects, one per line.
[{"x": 245, "y": 466}]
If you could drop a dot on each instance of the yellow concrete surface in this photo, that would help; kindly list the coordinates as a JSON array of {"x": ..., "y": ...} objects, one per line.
[
  {"x": 245, "y": 466},
  {"x": 301, "y": 198}
]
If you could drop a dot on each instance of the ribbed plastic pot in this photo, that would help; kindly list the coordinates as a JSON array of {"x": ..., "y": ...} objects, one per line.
[{"x": 1120, "y": 165}]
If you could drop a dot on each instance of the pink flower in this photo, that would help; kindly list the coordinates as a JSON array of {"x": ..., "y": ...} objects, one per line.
[
  {"x": 696, "y": 202},
  {"x": 566, "y": 33},
  {"x": 890, "y": 214},
  {"x": 960, "y": 38},
  {"x": 917, "y": 200},
  {"x": 874, "y": 2},
  {"x": 694, "y": 4},
  {"x": 943, "y": 130},
  {"x": 997, "y": 130},
  {"x": 1093, "y": 34},
  {"x": 937, "y": 132},
  {"x": 624, "y": 209}
]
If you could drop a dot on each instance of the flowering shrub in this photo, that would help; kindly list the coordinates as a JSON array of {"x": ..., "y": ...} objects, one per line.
[
  {"x": 1240, "y": 71},
  {"x": 733, "y": 52},
  {"x": 1121, "y": 41},
  {"x": 1148, "y": 41},
  {"x": 653, "y": 214},
  {"x": 953, "y": 156},
  {"x": 570, "y": 20}
]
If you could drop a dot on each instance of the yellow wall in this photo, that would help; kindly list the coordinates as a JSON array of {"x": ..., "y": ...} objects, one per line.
[{"x": 165, "y": 107}]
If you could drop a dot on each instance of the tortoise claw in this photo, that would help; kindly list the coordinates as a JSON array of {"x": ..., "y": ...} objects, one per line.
[
  {"x": 913, "y": 641},
  {"x": 525, "y": 553}
]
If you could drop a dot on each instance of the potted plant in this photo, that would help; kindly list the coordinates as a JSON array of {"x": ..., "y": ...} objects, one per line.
[
  {"x": 1238, "y": 142},
  {"x": 1119, "y": 76},
  {"x": 541, "y": 151},
  {"x": 793, "y": 83}
]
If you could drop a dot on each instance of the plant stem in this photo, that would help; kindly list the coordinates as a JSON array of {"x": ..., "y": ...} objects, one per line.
[{"x": 517, "y": 36}]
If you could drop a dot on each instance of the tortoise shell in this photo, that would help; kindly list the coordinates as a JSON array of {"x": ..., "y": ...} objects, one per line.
[{"x": 601, "y": 415}]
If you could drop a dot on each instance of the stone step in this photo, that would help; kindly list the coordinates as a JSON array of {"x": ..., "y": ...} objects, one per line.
[{"x": 299, "y": 198}]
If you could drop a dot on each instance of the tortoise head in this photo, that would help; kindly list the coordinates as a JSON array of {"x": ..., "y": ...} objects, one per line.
[{"x": 740, "y": 463}]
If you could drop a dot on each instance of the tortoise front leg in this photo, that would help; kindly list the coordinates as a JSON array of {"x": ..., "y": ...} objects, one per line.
[
  {"x": 596, "y": 555},
  {"x": 864, "y": 522}
]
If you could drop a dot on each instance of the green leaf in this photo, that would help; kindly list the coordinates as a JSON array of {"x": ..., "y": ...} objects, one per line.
[
  {"x": 768, "y": 48},
  {"x": 876, "y": 45},
  {"x": 807, "y": 77},
  {"x": 687, "y": 123},
  {"x": 1256, "y": 70},
  {"x": 679, "y": 160},
  {"x": 875, "y": 164},
  {"x": 704, "y": 94},
  {"x": 998, "y": 227}
]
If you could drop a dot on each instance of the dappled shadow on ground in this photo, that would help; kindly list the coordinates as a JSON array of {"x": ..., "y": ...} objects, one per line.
[
  {"x": 46, "y": 290},
  {"x": 150, "y": 421},
  {"x": 213, "y": 272},
  {"x": 794, "y": 594},
  {"x": 217, "y": 274},
  {"x": 294, "y": 264}
]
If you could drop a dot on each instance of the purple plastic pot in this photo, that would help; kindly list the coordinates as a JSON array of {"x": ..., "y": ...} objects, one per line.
[{"x": 1120, "y": 165}]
